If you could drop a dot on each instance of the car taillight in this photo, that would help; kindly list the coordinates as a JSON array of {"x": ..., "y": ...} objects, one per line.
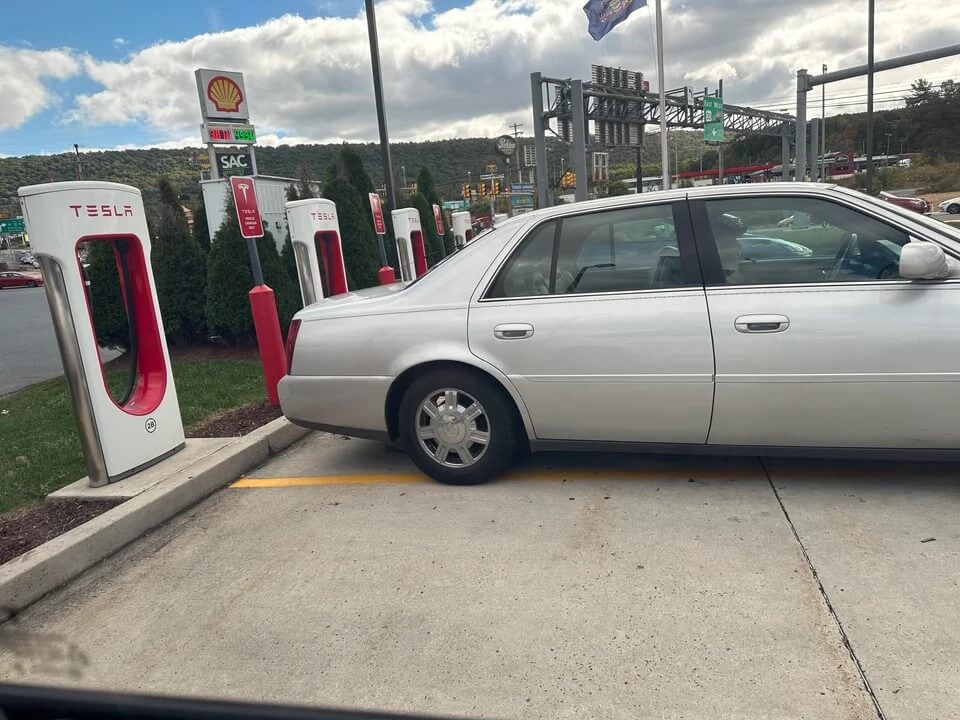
[{"x": 291, "y": 342}]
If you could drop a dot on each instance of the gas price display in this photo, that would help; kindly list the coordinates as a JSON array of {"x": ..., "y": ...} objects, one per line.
[{"x": 237, "y": 134}]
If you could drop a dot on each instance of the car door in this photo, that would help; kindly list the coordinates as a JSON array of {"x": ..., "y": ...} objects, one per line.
[
  {"x": 833, "y": 348},
  {"x": 600, "y": 321}
]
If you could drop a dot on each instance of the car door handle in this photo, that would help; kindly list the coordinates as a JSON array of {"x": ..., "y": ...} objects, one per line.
[
  {"x": 513, "y": 331},
  {"x": 761, "y": 323}
]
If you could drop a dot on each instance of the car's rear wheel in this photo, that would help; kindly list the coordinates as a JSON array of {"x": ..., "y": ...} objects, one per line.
[
  {"x": 458, "y": 427},
  {"x": 954, "y": 208},
  {"x": 31, "y": 283}
]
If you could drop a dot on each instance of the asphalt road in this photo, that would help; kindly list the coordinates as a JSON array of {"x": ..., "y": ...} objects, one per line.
[
  {"x": 577, "y": 586},
  {"x": 28, "y": 345}
]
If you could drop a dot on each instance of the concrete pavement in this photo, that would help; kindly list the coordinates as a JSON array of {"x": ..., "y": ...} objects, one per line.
[{"x": 582, "y": 586}]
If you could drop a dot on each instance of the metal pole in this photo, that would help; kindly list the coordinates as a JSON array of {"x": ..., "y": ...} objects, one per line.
[
  {"x": 870, "y": 71},
  {"x": 255, "y": 261},
  {"x": 639, "y": 172},
  {"x": 785, "y": 153},
  {"x": 814, "y": 148},
  {"x": 803, "y": 85},
  {"x": 378, "y": 96},
  {"x": 212, "y": 155},
  {"x": 823, "y": 130},
  {"x": 578, "y": 148},
  {"x": 253, "y": 161},
  {"x": 76, "y": 149},
  {"x": 539, "y": 142},
  {"x": 720, "y": 144},
  {"x": 664, "y": 147}
]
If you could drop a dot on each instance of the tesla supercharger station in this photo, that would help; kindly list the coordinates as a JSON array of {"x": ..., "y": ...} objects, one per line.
[
  {"x": 142, "y": 426},
  {"x": 317, "y": 247},
  {"x": 410, "y": 246},
  {"x": 462, "y": 228}
]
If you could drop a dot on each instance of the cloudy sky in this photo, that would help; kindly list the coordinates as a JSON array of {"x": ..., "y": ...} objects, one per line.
[{"x": 115, "y": 73}]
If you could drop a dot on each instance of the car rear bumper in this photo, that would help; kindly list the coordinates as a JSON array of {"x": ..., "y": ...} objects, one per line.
[{"x": 343, "y": 404}]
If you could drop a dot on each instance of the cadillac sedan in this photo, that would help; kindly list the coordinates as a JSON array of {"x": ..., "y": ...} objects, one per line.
[{"x": 639, "y": 323}]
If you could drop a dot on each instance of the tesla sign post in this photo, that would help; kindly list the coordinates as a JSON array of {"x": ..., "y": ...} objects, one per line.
[
  {"x": 385, "y": 274},
  {"x": 438, "y": 221},
  {"x": 263, "y": 304}
]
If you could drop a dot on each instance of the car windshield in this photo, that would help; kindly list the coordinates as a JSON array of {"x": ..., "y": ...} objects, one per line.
[{"x": 514, "y": 359}]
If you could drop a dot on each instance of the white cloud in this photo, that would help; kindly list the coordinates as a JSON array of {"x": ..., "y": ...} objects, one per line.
[
  {"x": 465, "y": 71},
  {"x": 23, "y": 73},
  {"x": 119, "y": 42}
]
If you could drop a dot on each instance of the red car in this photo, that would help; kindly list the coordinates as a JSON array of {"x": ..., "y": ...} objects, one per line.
[
  {"x": 916, "y": 204},
  {"x": 18, "y": 279}
]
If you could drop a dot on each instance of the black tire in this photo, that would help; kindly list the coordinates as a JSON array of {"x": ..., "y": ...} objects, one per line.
[
  {"x": 31, "y": 283},
  {"x": 953, "y": 209},
  {"x": 501, "y": 422}
]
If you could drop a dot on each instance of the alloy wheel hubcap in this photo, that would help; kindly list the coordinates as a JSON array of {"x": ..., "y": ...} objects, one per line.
[{"x": 452, "y": 427}]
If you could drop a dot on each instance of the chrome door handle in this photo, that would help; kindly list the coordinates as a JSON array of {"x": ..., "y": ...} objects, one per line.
[
  {"x": 513, "y": 331},
  {"x": 761, "y": 323}
]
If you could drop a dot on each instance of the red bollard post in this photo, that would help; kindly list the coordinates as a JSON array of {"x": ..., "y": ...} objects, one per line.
[
  {"x": 266, "y": 322},
  {"x": 386, "y": 275}
]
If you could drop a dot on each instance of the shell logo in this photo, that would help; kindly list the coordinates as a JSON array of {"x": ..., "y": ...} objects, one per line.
[{"x": 225, "y": 94}]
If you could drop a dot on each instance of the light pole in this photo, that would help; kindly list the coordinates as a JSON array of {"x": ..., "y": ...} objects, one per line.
[
  {"x": 378, "y": 96},
  {"x": 823, "y": 129}
]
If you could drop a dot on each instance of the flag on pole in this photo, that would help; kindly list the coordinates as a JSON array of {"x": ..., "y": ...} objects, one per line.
[{"x": 604, "y": 15}]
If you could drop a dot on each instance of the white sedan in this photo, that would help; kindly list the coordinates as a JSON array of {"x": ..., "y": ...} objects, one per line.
[
  {"x": 639, "y": 323},
  {"x": 951, "y": 206}
]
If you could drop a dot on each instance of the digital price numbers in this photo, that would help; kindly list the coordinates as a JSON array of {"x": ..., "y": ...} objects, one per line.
[{"x": 236, "y": 134}]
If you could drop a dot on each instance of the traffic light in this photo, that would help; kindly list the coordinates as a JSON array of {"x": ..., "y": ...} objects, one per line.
[
  {"x": 483, "y": 189},
  {"x": 496, "y": 187},
  {"x": 466, "y": 191}
]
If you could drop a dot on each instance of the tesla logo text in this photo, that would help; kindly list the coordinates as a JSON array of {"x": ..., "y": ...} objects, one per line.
[
  {"x": 102, "y": 210},
  {"x": 323, "y": 216}
]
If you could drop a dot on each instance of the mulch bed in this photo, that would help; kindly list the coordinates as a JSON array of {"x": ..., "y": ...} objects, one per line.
[
  {"x": 235, "y": 422},
  {"x": 28, "y": 527}
]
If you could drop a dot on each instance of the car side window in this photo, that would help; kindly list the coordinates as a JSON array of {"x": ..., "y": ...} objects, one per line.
[
  {"x": 786, "y": 240},
  {"x": 528, "y": 271},
  {"x": 619, "y": 250}
]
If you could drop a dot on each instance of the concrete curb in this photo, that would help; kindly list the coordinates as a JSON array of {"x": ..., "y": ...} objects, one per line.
[{"x": 32, "y": 575}]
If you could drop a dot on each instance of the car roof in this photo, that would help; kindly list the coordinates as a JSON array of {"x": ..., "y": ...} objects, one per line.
[{"x": 697, "y": 193}]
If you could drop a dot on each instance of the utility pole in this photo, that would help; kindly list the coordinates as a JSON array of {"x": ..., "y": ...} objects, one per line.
[
  {"x": 823, "y": 129},
  {"x": 664, "y": 147},
  {"x": 76, "y": 149},
  {"x": 720, "y": 144},
  {"x": 516, "y": 151},
  {"x": 870, "y": 11},
  {"x": 378, "y": 96}
]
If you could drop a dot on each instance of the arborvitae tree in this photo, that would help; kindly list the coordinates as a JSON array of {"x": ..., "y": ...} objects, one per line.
[
  {"x": 106, "y": 300},
  {"x": 179, "y": 270},
  {"x": 229, "y": 280},
  {"x": 201, "y": 232},
  {"x": 287, "y": 257}
]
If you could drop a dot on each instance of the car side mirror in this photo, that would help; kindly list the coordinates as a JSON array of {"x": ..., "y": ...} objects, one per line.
[{"x": 921, "y": 260}]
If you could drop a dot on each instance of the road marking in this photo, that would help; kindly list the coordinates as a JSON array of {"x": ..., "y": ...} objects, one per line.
[{"x": 410, "y": 478}]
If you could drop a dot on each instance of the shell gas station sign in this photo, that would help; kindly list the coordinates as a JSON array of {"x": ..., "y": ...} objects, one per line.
[{"x": 222, "y": 95}]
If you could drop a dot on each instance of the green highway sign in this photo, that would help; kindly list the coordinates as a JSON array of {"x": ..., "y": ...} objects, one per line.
[
  {"x": 455, "y": 205},
  {"x": 11, "y": 225},
  {"x": 713, "y": 119}
]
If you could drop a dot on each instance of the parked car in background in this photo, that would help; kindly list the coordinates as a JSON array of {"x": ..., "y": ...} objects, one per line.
[
  {"x": 919, "y": 205},
  {"x": 641, "y": 323},
  {"x": 10, "y": 279},
  {"x": 951, "y": 206},
  {"x": 28, "y": 260},
  {"x": 765, "y": 248}
]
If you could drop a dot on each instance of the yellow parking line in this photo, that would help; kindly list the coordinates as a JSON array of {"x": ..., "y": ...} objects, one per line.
[
  {"x": 373, "y": 479},
  {"x": 408, "y": 478}
]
